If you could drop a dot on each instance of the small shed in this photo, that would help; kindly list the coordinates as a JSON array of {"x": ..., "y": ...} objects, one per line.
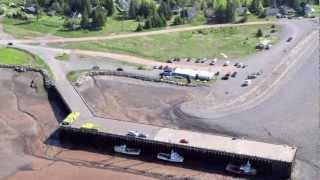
[{"x": 194, "y": 74}]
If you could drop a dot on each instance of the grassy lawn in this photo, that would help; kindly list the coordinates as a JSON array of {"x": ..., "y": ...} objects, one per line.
[
  {"x": 15, "y": 56},
  {"x": 9, "y": 1},
  {"x": 63, "y": 57},
  {"x": 235, "y": 42},
  {"x": 54, "y": 25},
  {"x": 73, "y": 76},
  {"x": 316, "y": 10}
]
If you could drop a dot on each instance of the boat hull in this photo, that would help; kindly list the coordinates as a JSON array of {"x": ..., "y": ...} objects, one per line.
[{"x": 236, "y": 170}]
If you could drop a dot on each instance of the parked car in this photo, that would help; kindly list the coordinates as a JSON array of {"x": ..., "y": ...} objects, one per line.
[
  {"x": 225, "y": 77},
  {"x": 260, "y": 46},
  {"x": 184, "y": 141},
  {"x": 247, "y": 82},
  {"x": 245, "y": 169},
  {"x": 244, "y": 66},
  {"x": 234, "y": 74},
  {"x": 170, "y": 157},
  {"x": 10, "y": 43},
  {"x": 136, "y": 134},
  {"x": 95, "y": 68},
  {"x": 227, "y": 63},
  {"x": 252, "y": 76},
  {"x": 120, "y": 69},
  {"x": 289, "y": 39}
]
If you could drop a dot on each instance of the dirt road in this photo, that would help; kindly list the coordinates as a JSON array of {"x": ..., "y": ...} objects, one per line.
[{"x": 129, "y": 35}]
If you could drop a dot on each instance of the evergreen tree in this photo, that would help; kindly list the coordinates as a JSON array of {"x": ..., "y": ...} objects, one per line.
[
  {"x": 133, "y": 9},
  {"x": 85, "y": 21},
  {"x": 109, "y": 6},
  {"x": 165, "y": 10},
  {"x": 259, "y": 33},
  {"x": 230, "y": 11},
  {"x": 98, "y": 19}
]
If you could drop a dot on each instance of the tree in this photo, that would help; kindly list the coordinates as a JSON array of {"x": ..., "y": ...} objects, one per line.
[
  {"x": 259, "y": 33},
  {"x": 98, "y": 19},
  {"x": 109, "y": 6},
  {"x": 133, "y": 9},
  {"x": 139, "y": 28},
  {"x": 165, "y": 10},
  {"x": 256, "y": 7},
  {"x": 220, "y": 15},
  {"x": 85, "y": 21},
  {"x": 178, "y": 20},
  {"x": 70, "y": 24},
  {"x": 230, "y": 11}
]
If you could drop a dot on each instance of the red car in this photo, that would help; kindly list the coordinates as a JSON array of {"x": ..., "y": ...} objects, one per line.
[{"x": 184, "y": 141}]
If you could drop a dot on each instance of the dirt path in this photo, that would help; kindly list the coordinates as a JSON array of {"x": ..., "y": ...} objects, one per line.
[
  {"x": 150, "y": 62},
  {"x": 134, "y": 34}
]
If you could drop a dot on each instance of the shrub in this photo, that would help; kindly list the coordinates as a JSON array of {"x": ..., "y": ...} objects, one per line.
[
  {"x": 2, "y": 10},
  {"x": 178, "y": 21},
  {"x": 141, "y": 67},
  {"x": 139, "y": 28},
  {"x": 259, "y": 33}
]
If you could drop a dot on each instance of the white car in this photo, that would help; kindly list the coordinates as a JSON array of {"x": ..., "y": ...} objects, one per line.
[
  {"x": 136, "y": 134},
  {"x": 227, "y": 63},
  {"x": 247, "y": 82}
]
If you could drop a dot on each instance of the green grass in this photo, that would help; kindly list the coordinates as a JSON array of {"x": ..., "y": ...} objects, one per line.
[
  {"x": 33, "y": 28},
  {"x": 63, "y": 57},
  {"x": 9, "y": 1},
  {"x": 73, "y": 76},
  {"x": 235, "y": 42},
  {"x": 18, "y": 57},
  {"x": 54, "y": 25},
  {"x": 316, "y": 10},
  {"x": 193, "y": 82}
]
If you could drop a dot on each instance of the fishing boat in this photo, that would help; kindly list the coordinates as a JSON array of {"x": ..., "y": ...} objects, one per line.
[
  {"x": 245, "y": 169},
  {"x": 123, "y": 149},
  {"x": 171, "y": 157}
]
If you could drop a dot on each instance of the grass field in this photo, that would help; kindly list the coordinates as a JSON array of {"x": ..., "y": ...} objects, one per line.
[
  {"x": 54, "y": 25},
  {"x": 63, "y": 57},
  {"x": 9, "y": 1},
  {"x": 235, "y": 42},
  {"x": 15, "y": 56},
  {"x": 316, "y": 10}
]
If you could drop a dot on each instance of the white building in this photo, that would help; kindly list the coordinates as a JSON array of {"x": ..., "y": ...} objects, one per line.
[{"x": 202, "y": 75}]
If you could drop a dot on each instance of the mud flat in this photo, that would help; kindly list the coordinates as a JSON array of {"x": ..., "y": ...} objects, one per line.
[
  {"x": 29, "y": 148},
  {"x": 136, "y": 100}
]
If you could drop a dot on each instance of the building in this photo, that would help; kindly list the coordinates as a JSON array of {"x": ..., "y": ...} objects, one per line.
[{"x": 193, "y": 74}]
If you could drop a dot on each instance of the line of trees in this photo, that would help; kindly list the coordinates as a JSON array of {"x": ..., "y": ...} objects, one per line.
[{"x": 92, "y": 14}]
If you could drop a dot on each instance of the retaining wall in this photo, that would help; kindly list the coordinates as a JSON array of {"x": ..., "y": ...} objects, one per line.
[{"x": 267, "y": 168}]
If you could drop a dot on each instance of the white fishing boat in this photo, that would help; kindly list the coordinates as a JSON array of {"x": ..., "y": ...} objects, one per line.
[
  {"x": 171, "y": 157},
  {"x": 123, "y": 149},
  {"x": 245, "y": 169}
]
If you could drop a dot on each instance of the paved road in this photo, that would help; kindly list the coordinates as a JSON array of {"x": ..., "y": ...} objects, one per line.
[
  {"x": 290, "y": 116},
  {"x": 228, "y": 96}
]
